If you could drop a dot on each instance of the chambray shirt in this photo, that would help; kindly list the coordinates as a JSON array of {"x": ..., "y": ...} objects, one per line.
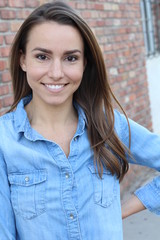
[{"x": 46, "y": 196}]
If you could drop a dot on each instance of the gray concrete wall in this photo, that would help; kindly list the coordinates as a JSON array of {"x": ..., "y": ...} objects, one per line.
[{"x": 153, "y": 72}]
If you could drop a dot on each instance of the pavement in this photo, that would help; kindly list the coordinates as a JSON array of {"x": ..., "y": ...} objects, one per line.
[{"x": 144, "y": 225}]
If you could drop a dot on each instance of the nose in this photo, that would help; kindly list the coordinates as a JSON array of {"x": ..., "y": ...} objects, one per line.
[{"x": 55, "y": 70}]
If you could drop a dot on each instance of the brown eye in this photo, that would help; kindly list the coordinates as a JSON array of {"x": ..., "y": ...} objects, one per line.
[
  {"x": 41, "y": 57},
  {"x": 72, "y": 58}
]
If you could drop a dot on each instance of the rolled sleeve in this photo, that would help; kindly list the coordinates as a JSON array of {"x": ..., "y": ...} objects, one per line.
[{"x": 149, "y": 195}]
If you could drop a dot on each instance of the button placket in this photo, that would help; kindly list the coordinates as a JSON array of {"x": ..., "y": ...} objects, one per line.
[
  {"x": 71, "y": 213},
  {"x": 66, "y": 167}
]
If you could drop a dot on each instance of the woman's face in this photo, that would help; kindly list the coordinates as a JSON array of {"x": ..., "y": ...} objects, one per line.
[{"x": 54, "y": 62}]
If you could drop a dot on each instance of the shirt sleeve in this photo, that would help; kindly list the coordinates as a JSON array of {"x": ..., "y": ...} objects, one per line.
[
  {"x": 145, "y": 149},
  {"x": 7, "y": 222}
]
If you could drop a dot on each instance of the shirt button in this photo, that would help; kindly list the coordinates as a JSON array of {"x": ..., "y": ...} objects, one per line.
[
  {"x": 71, "y": 216},
  {"x": 75, "y": 139},
  {"x": 67, "y": 175},
  {"x": 26, "y": 179}
]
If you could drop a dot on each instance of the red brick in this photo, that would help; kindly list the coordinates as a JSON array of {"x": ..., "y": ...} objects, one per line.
[
  {"x": 108, "y": 47},
  {"x": 3, "y": 3},
  {"x": 4, "y": 89},
  {"x": 98, "y": 6},
  {"x": 4, "y": 52},
  {"x": 0, "y": 106},
  {"x": 16, "y": 3},
  {"x": 1, "y": 40},
  {"x": 86, "y": 14},
  {"x": 94, "y": 6},
  {"x": 132, "y": 97},
  {"x": 108, "y": 22},
  {"x": 15, "y": 26},
  {"x": 23, "y": 14},
  {"x": 80, "y": 5},
  {"x": 7, "y": 101},
  {"x": 111, "y": 6},
  {"x": 100, "y": 23},
  {"x": 103, "y": 14},
  {"x": 8, "y": 14},
  {"x": 95, "y": 14},
  {"x": 6, "y": 77},
  {"x": 9, "y": 38},
  {"x": 4, "y": 27},
  {"x": 72, "y": 4},
  {"x": 99, "y": 31},
  {"x": 31, "y": 3},
  {"x": 2, "y": 65},
  {"x": 92, "y": 23}
]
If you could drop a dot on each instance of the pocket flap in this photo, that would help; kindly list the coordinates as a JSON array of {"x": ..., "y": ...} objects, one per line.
[{"x": 28, "y": 178}]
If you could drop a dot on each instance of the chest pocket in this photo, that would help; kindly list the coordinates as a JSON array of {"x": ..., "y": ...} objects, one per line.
[
  {"x": 28, "y": 193},
  {"x": 105, "y": 189}
]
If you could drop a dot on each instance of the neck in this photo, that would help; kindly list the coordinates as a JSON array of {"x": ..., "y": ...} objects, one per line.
[{"x": 50, "y": 116}]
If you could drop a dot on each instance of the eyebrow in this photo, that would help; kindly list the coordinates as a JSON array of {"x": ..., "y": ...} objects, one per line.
[{"x": 50, "y": 52}]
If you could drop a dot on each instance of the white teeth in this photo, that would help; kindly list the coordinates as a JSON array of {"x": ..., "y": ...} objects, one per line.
[{"x": 54, "y": 86}]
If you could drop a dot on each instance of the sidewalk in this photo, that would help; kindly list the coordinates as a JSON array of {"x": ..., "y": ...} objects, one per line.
[{"x": 144, "y": 225}]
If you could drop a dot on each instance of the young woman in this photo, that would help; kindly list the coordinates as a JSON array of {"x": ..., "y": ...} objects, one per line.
[{"x": 63, "y": 149}]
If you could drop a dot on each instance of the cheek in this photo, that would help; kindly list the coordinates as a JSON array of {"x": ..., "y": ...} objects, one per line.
[
  {"x": 76, "y": 75},
  {"x": 34, "y": 74}
]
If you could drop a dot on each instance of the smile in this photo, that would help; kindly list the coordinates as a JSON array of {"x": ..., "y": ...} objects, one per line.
[{"x": 56, "y": 87}]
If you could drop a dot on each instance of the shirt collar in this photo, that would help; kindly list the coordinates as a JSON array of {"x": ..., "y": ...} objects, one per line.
[
  {"x": 20, "y": 115},
  {"x": 22, "y": 123},
  {"x": 82, "y": 120}
]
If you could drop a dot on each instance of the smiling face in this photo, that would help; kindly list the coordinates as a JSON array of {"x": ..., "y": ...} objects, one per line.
[{"x": 53, "y": 62}]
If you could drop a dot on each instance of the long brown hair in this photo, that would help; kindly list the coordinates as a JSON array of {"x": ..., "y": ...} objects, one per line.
[{"x": 94, "y": 94}]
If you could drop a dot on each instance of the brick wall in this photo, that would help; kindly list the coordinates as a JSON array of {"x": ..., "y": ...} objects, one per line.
[{"x": 117, "y": 26}]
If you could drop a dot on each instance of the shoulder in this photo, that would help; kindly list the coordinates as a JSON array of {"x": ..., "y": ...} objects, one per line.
[
  {"x": 121, "y": 127},
  {"x": 6, "y": 126},
  {"x": 120, "y": 122},
  {"x": 6, "y": 119},
  {"x": 15, "y": 120}
]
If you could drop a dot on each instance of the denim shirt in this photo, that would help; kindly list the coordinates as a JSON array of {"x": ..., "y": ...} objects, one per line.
[{"x": 46, "y": 196}]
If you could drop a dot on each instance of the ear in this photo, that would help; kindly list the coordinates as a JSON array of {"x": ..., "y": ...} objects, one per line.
[{"x": 23, "y": 61}]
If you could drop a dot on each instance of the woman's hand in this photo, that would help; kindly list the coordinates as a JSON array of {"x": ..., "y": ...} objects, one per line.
[{"x": 131, "y": 206}]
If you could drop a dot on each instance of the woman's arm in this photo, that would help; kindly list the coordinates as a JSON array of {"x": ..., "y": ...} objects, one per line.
[
  {"x": 131, "y": 206},
  {"x": 145, "y": 149}
]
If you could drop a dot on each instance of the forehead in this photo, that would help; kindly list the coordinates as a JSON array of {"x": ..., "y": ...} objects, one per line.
[{"x": 53, "y": 33}]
